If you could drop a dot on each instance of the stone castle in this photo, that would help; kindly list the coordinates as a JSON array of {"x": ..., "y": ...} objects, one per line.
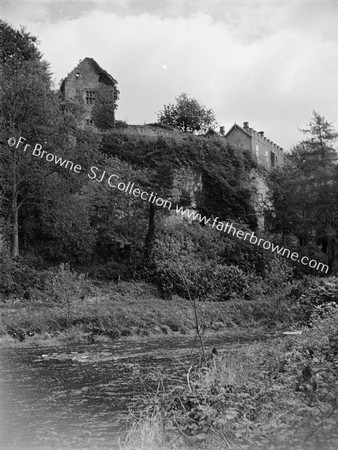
[
  {"x": 85, "y": 83},
  {"x": 87, "y": 80}
]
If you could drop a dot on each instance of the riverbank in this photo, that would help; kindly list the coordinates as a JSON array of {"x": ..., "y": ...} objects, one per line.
[
  {"x": 273, "y": 395},
  {"x": 111, "y": 311},
  {"x": 257, "y": 391}
]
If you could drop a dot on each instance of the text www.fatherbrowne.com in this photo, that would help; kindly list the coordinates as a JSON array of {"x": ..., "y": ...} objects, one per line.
[
  {"x": 229, "y": 228},
  {"x": 191, "y": 214}
]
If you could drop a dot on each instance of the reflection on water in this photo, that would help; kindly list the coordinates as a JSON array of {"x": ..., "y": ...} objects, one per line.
[{"x": 79, "y": 396}]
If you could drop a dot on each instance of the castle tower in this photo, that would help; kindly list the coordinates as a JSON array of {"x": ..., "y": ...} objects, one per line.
[{"x": 89, "y": 84}]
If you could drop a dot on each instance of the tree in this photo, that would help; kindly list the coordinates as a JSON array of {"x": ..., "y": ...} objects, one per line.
[
  {"x": 188, "y": 115},
  {"x": 117, "y": 218},
  {"x": 287, "y": 209},
  {"x": 16, "y": 46},
  {"x": 31, "y": 113},
  {"x": 27, "y": 109},
  {"x": 304, "y": 192},
  {"x": 320, "y": 160}
]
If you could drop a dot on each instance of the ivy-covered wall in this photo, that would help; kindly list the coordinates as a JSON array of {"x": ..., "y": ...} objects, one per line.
[{"x": 207, "y": 174}]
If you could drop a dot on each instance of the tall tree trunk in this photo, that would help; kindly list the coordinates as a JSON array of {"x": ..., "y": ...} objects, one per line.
[
  {"x": 150, "y": 238},
  {"x": 15, "y": 212},
  {"x": 15, "y": 215},
  {"x": 330, "y": 253}
]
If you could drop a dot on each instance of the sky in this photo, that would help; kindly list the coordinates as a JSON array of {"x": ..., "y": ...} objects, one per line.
[{"x": 266, "y": 62}]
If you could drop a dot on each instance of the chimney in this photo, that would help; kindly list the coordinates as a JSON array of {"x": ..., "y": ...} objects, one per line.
[
  {"x": 261, "y": 133},
  {"x": 246, "y": 125},
  {"x": 221, "y": 130}
]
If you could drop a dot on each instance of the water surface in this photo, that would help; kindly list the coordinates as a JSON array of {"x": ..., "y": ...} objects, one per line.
[{"x": 79, "y": 396}]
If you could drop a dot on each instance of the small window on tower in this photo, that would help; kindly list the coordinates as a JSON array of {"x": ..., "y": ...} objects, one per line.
[
  {"x": 90, "y": 97},
  {"x": 257, "y": 150}
]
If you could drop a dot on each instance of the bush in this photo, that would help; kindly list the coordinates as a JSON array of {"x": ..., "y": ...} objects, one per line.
[
  {"x": 65, "y": 285},
  {"x": 227, "y": 282},
  {"x": 200, "y": 280},
  {"x": 314, "y": 293},
  {"x": 190, "y": 257}
]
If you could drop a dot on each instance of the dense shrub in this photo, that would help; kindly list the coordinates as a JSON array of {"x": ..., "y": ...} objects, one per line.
[
  {"x": 203, "y": 281},
  {"x": 314, "y": 293},
  {"x": 180, "y": 269},
  {"x": 227, "y": 282},
  {"x": 214, "y": 267},
  {"x": 18, "y": 275},
  {"x": 63, "y": 285}
]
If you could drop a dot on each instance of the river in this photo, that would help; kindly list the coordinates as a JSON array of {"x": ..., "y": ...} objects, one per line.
[{"x": 79, "y": 396}]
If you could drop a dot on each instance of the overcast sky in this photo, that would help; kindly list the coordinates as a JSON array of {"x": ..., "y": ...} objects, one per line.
[{"x": 264, "y": 61}]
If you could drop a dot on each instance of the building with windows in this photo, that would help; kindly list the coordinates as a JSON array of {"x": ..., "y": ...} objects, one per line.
[
  {"x": 268, "y": 156},
  {"x": 267, "y": 153},
  {"x": 89, "y": 84}
]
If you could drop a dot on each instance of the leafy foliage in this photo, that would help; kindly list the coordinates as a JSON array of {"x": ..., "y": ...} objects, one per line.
[
  {"x": 268, "y": 395},
  {"x": 218, "y": 268},
  {"x": 104, "y": 109},
  {"x": 314, "y": 295},
  {"x": 304, "y": 192},
  {"x": 226, "y": 183},
  {"x": 17, "y": 46},
  {"x": 187, "y": 115}
]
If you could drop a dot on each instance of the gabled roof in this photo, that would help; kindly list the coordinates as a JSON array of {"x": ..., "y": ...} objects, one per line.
[
  {"x": 98, "y": 69},
  {"x": 105, "y": 77},
  {"x": 239, "y": 128}
]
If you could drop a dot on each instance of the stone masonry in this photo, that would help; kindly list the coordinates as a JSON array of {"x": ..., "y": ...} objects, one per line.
[{"x": 84, "y": 83}]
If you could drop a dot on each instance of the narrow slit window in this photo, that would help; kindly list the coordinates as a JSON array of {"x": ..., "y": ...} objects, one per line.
[{"x": 272, "y": 156}]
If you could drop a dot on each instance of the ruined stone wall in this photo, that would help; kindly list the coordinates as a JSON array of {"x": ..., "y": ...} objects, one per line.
[
  {"x": 81, "y": 80},
  {"x": 187, "y": 180}
]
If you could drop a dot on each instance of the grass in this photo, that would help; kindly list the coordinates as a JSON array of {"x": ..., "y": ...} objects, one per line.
[
  {"x": 110, "y": 311},
  {"x": 146, "y": 434},
  {"x": 256, "y": 397}
]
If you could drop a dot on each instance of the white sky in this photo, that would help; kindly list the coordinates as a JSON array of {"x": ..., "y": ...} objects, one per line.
[{"x": 264, "y": 61}]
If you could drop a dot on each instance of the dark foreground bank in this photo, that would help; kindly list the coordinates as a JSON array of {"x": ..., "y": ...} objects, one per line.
[{"x": 279, "y": 394}]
